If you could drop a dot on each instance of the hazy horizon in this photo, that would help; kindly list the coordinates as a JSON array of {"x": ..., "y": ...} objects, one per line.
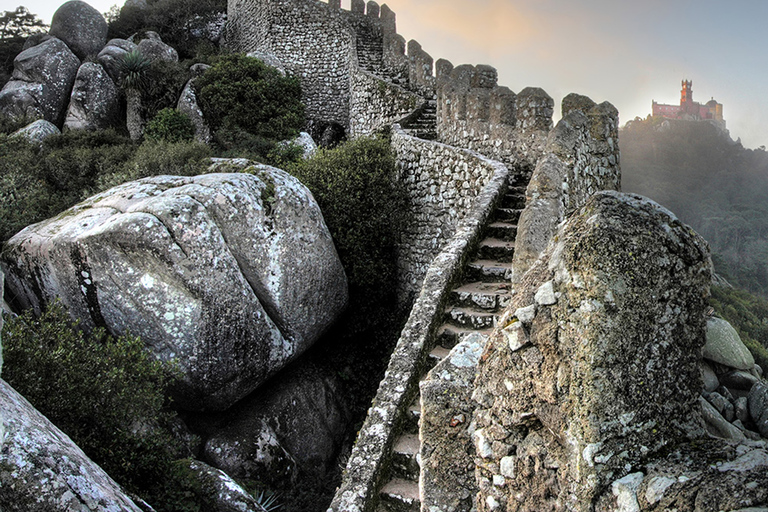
[{"x": 628, "y": 53}]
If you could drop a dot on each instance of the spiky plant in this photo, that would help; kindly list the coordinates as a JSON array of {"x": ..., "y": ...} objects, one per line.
[
  {"x": 267, "y": 501},
  {"x": 133, "y": 70}
]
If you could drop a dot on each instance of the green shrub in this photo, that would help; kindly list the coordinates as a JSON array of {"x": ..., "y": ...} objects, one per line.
[
  {"x": 160, "y": 158},
  {"x": 243, "y": 92},
  {"x": 106, "y": 394},
  {"x": 169, "y": 125},
  {"x": 164, "y": 83},
  {"x": 364, "y": 207}
]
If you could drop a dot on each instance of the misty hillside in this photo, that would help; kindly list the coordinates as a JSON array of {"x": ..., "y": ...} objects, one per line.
[{"x": 711, "y": 183}]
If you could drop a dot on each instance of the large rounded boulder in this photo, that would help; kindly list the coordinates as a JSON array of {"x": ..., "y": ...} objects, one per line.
[
  {"x": 232, "y": 275},
  {"x": 81, "y": 27},
  {"x": 294, "y": 425},
  {"x": 95, "y": 102},
  {"x": 41, "y": 82},
  {"x": 112, "y": 55}
]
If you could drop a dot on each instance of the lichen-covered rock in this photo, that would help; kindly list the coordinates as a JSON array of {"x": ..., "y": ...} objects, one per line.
[
  {"x": 306, "y": 143},
  {"x": 37, "y": 131},
  {"x": 94, "y": 103},
  {"x": 709, "y": 377},
  {"x": 724, "y": 346},
  {"x": 758, "y": 407},
  {"x": 81, "y": 27},
  {"x": 226, "y": 494},
  {"x": 293, "y": 426},
  {"x": 447, "y": 476},
  {"x": 41, "y": 469},
  {"x": 153, "y": 48},
  {"x": 607, "y": 375},
  {"x": 188, "y": 105},
  {"x": 708, "y": 475},
  {"x": 112, "y": 55},
  {"x": 232, "y": 275},
  {"x": 41, "y": 82}
]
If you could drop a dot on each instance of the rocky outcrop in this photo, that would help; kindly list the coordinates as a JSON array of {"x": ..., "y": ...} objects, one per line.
[
  {"x": 231, "y": 275},
  {"x": 41, "y": 82},
  {"x": 41, "y": 469},
  {"x": 81, "y": 27},
  {"x": 293, "y": 427},
  {"x": 581, "y": 157},
  {"x": 188, "y": 105},
  {"x": 94, "y": 103},
  {"x": 112, "y": 55},
  {"x": 724, "y": 346},
  {"x": 37, "y": 131},
  {"x": 594, "y": 369},
  {"x": 153, "y": 48}
]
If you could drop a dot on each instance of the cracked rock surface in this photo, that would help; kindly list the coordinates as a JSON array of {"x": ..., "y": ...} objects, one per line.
[{"x": 233, "y": 275}]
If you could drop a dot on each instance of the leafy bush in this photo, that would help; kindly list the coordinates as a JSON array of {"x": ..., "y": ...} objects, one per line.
[
  {"x": 363, "y": 207},
  {"x": 160, "y": 158},
  {"x": 240, "y": 92},
  {"x": 164, "y": 83},
  {"x": 106, "y": 394},
  {"x": 170, "y": 125},
  {"x": 748, "y": 314},
  {"x": 38, "y": 182}
]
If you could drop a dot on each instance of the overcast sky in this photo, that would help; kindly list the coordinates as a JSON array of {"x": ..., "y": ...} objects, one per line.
[{"x": 626, "y": 52}]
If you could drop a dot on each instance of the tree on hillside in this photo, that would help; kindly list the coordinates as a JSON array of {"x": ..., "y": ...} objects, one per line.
[{"x": 15, "y": 27}]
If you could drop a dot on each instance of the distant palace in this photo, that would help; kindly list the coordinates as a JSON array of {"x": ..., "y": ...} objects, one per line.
[{"x": 689, "y": 110}]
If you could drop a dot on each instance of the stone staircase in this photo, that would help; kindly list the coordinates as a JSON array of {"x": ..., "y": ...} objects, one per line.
[
  {"x": 370, "y": 51},
  {"x": 423, "y": 122},
  {"x": 473, "y": 307}
]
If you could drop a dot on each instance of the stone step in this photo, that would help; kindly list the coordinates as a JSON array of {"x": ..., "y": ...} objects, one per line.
[
  {"x": 508, "y": 214},
  {"x": 470, "y": 318},
  {"x": 412, "y": 416},
  {"x": 495, "y": 249},
  {"x": 517, "y": 189},
  {"x": 405, "y": 453},
  {"x": 449, "y": 335},
  {"x": 491, "y": 297},
  {"x": 488, "y": 271},
  {"x": 400, "y": 495},
  {"x": 438, "y": 353},
  {"x": 502, "y": 230},
  {"x": 513, "y": 201}
]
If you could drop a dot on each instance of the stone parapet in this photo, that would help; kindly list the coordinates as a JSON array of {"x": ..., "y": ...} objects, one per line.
[{"x": 369, "y": 459}]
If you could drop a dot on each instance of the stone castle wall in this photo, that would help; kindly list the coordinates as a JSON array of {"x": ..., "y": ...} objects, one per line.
[
  {"x": 370, "y": 458},
  {"x": 442, "y": 183},
  {"x": 310, "y": 39},
  {"x": 342, "y": 58}
]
